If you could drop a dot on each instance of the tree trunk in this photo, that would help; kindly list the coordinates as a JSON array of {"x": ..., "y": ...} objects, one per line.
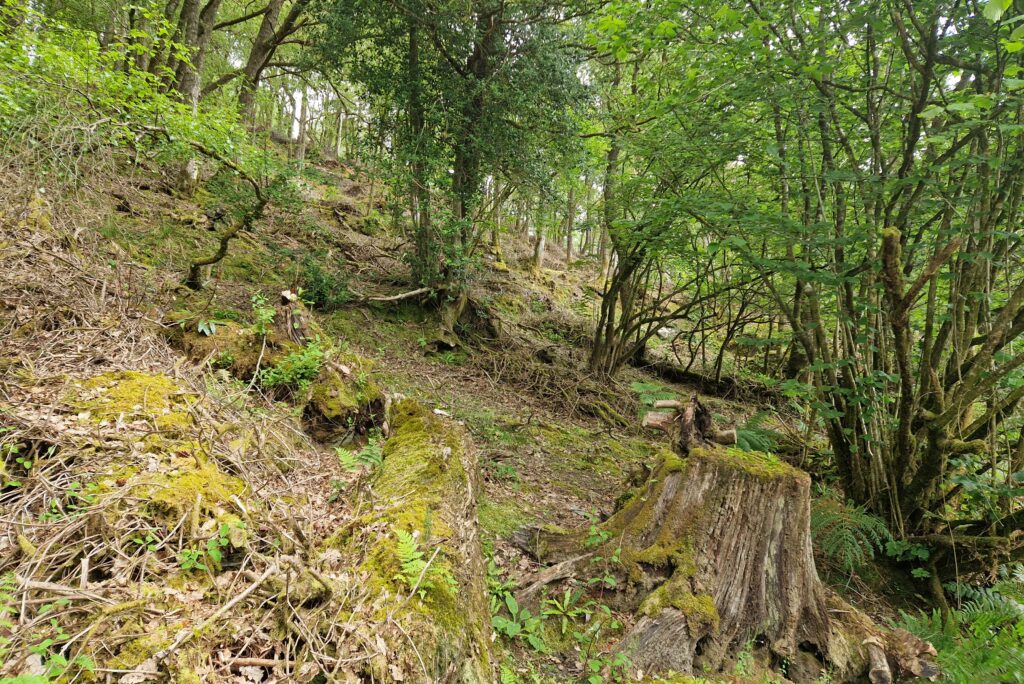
[
  {"x": 198, "y": 31},
  {"x": 426, "y": 487},
  {"x": 300, "y": 144},
  {"x": 715, "y": 553},
  {"x": 539, "y": 243},
  {"x": 570, "y": 225},
  {"x": 268, "y": 39}
]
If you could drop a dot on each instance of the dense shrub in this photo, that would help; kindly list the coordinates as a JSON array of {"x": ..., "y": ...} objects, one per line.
[{"x": 324, "y": 290}]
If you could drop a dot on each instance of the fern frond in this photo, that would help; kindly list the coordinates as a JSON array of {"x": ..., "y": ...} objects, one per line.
[
  {"x": 986, "y": 603},
  {"x": 754, "y": 436},
  {"x": 846, "y": 534}
]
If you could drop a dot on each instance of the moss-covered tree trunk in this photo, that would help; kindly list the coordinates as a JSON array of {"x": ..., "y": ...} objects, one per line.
[{"x": 435, "y": 622}]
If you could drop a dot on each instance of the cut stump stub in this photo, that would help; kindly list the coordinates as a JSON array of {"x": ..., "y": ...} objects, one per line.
[{"x": 715, "y": 554}]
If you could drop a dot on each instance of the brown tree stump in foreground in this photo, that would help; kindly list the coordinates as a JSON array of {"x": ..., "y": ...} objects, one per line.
[
  {"x": 715, "y": 553},
  {"x": 718, "y": 549}
]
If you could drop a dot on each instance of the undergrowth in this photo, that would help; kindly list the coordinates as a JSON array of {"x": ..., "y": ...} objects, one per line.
[
  {"x": 980, "y": 643},
  {"x": 847, "y": 535}
]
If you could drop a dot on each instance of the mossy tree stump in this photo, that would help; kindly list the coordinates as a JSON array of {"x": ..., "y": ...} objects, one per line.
[
  {"x": 717, "y": 549},
  {"x": 715, "y": 556},
  {"x": 343, "y": 400}
]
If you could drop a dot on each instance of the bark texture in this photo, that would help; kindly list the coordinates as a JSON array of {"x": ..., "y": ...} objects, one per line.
[{"x": 715, "y": 553}]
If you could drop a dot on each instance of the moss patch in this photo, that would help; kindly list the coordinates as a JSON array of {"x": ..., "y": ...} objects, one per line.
[
  {"x": 193, "y": 482},
  {"x": 232, "y": 346},
  {"x": 336, "y": 396},
  {"x": 761, "y": 465},
  {"x": 133, "y": 395},
  {"x": 699, "y": 609},
  {"x": 500, "y": 518}
]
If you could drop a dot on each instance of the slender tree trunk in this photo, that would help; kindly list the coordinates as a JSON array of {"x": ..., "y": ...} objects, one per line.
[
  {"x": 425, "y": 265},
  {"x": 539, "y": 244},
  {"x": 570, "y": 225},
  {"x": 300, "y": 143}
]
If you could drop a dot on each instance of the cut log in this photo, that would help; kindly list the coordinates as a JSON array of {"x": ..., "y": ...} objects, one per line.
[{"x": 435, "y": 627}]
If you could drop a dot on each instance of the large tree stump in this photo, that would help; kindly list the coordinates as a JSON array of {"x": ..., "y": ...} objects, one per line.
[
  {"x": 717, "y": 549},
  {"x": 715, "y": 555}
]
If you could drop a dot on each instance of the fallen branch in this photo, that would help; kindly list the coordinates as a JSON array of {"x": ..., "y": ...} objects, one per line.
[
  {"x": 392, "y": 298},
  {"x": 192, "y": 633},
  {"x": 556, "y": 572},
  {"x": 236, "y": 663}
]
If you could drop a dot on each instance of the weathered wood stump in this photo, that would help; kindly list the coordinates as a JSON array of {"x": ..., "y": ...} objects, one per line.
[
  {"x": 715, "y": 556},
  {"x": 717, "y": 549}
]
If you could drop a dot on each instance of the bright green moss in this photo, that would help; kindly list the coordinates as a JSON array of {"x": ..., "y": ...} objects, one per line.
[
  {"x": 699, "y": 609},
  {"x": 336, "y": 396},
  {"x": 193, "y": 485},
  {"x": 761, "y": 465},
  {"x": 135, "y": 652},
  {"x": 500, "y": 518},
  {"x": 133, "y": 395}
]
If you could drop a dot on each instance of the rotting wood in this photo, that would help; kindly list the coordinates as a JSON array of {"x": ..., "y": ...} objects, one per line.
[{"x": 716, "y": 554}]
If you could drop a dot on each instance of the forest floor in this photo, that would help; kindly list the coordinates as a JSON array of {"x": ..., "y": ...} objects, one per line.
[{"x": 90, "y": 290}]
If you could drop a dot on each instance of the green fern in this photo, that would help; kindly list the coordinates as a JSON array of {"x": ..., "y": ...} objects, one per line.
[
  {"x": 974, "y": 646},
  {"x": 410, "y": 558},
  {"x": 370, "y": 456},
  {"x": 996, "y": 601},
  {"x": 846, "y": 534},
  {"x": 417, "y": 573},
  {"x": 8, "y": 608},
  {"x": 754, "y": 436},
  {"x": 650, "y": 392}
]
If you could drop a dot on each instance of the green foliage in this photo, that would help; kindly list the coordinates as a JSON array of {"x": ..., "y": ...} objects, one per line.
[
  {"x": 192, "y": 559},
  {"x": 650, "y": 392},
  {"x": 418, "y": 573},
  {"x": 369, "y": 456},
  {"x": 8, "y": 609},
  {"x": 507, "y": 618},
  {"x": 754, "y": 436},
  {"x": 210, "y": 556},
  {"x": 567, "y": 609},
  {"x": 324, "y": 290},
  {"x": 75, "y": 502},
  {"x": 263, "y": 314},
  {"x": 515, "y": 622},
  {"x": 45, "y": 635},
  {"x": 296, "y": 370},
  {"x": 63, "y": 96},
  {"x": 846, "y": 534},
  {"x": 745, "y": 661},
  {"x": 979, "y": 643}
]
